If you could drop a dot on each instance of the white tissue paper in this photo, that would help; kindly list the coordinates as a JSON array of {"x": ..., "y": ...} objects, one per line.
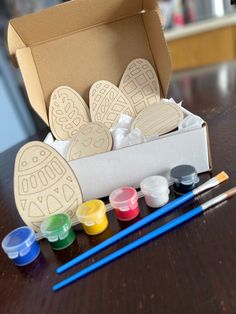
[
  {"x": 60, "y": 146},
  {"x": 123, "y": 136}
]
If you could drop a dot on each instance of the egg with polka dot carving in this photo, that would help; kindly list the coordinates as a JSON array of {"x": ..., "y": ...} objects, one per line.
[{"x": 44, "y": 184}]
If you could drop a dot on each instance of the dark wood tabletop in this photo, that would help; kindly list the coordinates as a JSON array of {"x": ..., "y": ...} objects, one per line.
[{"x": 192, "y": 269}]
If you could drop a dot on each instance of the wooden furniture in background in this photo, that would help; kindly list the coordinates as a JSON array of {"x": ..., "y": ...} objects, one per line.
[{"x": 203, "y": 43}]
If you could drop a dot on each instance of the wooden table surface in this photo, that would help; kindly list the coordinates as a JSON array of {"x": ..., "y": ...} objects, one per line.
[{"x": 189, "y": 270}]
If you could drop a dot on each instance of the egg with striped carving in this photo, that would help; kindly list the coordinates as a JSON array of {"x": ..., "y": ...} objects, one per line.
[{"x": 44, "y": 184}]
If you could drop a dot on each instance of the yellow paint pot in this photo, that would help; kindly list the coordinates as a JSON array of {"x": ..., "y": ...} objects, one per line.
[{"x": 92, "y": 215}]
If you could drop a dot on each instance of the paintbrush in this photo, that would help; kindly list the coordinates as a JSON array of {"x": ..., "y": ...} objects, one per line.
[
  {"x": 221, "y": 177},
  {"x": 157, "y": 232}
]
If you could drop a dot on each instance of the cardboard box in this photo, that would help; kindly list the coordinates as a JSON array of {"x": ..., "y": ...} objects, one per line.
[{"x": 82, "y": 41}]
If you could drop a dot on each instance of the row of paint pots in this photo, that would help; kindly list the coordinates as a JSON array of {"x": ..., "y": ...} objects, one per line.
[{"x": 21, "y": 246}]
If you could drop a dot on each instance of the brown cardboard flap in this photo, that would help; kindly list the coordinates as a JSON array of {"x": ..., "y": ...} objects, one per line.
[
  {"x": 71, "y": 17},
  {"x": 32, "y": 83},
  {"x": 159, "y": 48},
  {"x": 14, "y": 42},
  {"x": 82, "y": 41}
]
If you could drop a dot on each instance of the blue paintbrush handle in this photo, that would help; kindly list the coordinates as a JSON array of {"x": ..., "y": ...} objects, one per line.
[
  {"x": 158, "y": 213},
  {"x": 168, "y": 226}
]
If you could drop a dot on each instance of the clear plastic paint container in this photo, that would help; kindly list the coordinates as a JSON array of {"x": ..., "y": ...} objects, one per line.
[
  {"x": 92, "y": 215},
  {"x": 155, "y": 190},
  {"x": 125, "y": 202},
  {"x": 21, "y": 246},
  {"x": 57, "y": 230},
  {"x": 185, "y": 178}
]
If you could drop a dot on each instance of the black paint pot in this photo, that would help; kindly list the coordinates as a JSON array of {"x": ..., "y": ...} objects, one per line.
[{"x": 185, "y": 178}]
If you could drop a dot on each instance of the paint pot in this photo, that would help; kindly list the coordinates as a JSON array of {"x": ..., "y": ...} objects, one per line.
[
  {"x": 21, "y": 246},
  {"x": 185, "y": 178},
  {"x": 125, "y": 202},
  {"x": 155, "y": 190},
  {"x": 92, "y": 215},
  {"x": 57, "y": 230}
]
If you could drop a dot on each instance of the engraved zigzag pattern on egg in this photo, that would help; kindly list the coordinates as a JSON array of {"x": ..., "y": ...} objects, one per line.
[
  {"x": 43, "y": 186},
  {"x": 107, "y": 102},
  {"x": 68, "y": 112},
  {"x": 140, "y": 84}
]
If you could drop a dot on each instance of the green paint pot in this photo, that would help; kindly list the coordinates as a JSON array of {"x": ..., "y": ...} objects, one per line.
[{"x": 57, "y": 230}]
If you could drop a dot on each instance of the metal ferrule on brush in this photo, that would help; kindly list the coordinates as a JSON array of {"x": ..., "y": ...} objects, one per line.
[
  {"x": 220, "y": 198},
  {"x": 206, "y": 186},
  {"x": 214, "y": 201}
]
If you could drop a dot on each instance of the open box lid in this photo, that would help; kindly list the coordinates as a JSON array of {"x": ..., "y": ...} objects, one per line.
[{"x": 82, "y": 41}]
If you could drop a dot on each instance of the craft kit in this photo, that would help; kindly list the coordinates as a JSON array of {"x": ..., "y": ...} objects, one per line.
[
  {"x": 92, "y": 215},
  {"x": 21, "y": 246},
  {"x": 58, "y": 231},
  {"x": 146, "y": 238},
  {"x": 140, "y": 84},
  {"x": 125, "y": 203},
  {"x": 100, "y": 82},
  {"x": 93, "y": 138},
  {"x": 44, "y": 184},
  {"x": 68, "y": 112},
  {"x": 155, "y": 190},
  {"x": 104, "y": 44}
]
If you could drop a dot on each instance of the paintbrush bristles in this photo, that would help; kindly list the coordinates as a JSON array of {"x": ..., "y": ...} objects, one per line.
[
  {"x": 221, "y": 177},
  {"x": 231, "y": 192}
]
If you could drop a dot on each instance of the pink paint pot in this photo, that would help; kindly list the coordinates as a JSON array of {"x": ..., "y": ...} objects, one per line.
[{"x": 125, "y": 202}]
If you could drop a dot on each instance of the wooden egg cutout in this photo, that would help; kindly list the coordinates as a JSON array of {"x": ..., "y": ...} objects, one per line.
[
  {"x": 44, "y": 184},
  {"x": 107, "y": 102},
  {"x": 158, "y": 119},
  {"x": 140, "y": 84},
  {"x": 93, "y": 138},
  {"x": 68, "y": 112}
]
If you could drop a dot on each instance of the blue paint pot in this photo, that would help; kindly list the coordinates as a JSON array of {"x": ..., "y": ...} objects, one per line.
[{"x": 21, "y": 246}]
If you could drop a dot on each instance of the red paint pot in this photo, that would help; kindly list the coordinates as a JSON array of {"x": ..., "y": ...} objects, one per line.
[{"x": 125, "y": 202}]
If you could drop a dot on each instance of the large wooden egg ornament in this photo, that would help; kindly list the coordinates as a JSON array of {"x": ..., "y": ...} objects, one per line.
[{"x": 44, "y": 184}]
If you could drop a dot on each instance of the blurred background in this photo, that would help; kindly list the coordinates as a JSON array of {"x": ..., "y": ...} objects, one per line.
[{"x": 198, "y": 32}]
